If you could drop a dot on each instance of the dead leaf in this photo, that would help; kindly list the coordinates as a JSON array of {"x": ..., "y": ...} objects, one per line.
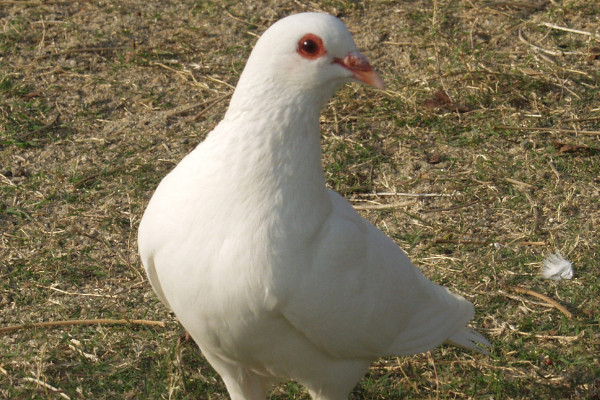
[
  {"x": 459, "y": 108},
  {"x": 434, "y": 158},
  {"x": 573, "y": 148},
  {"x": 594, "y": 54},
  {"x": 30, "y": 95},
  {"x": 442, "y": 97},
  {"x": 442, "y": 100}
]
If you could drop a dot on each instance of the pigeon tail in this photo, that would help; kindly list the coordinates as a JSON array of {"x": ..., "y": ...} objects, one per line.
[{"x": 471, "y": 340}]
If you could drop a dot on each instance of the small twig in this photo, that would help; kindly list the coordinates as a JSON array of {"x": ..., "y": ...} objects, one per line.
[
  {"x": 53, "y": 121},
  {"x": 554, "y": 337},
  {"x": 547, "y": 299},
  {"x": 34, "y": 132},
  {"x": 166, "y": 67},
  {"x": 394, "y": 368},
  {"x": 382, "y": 206},
  {"x": 405, "y": 44},
  {"x": 243, "y": 21},
  {"x": 518, "y": 4},
  {"x": 553, "y": 168},
  {"x": 39, "y": 3},
  {"x": 81, "y": 50},
  {"x": 8, "y": 181},
  {"x": 525, "y": 243},
  {"x": 461, "y": 241},
  {"x": 404, "y": 194},
  {"x": 186, "y": 72},
  {"x": 210, "y": 78},
  {"x": 538, "y": 48},
  {"x": 518, "y": 183},
  {"x": 535, "y": 210},
  {"x": 75, "y": 294},
  {"x": 210, "y": 105},
  {"x": 456, "y": 207},
  {"x": 523, "y": 300},
  {"x": 485, "y": 242},
  {"x": 558, "y": 130},
  {"x": 47, "y": 386},
  {"x": 581, "y": 119},
  {"x": 86, "y": 179},
  {"x": 437, "y": 378},
  {"x": 184, "y": 109},
  {"x": 562, "y": 28},
  {"x": 53, "y": 324}
]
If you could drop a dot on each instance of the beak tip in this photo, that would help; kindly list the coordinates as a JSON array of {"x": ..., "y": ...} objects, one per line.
[
  {"x": 377, "y": 82},
  {"x": 371, "y": 78}
]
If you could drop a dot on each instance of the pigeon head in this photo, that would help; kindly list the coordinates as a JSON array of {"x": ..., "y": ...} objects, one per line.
[{"x": 306, "y": 55}]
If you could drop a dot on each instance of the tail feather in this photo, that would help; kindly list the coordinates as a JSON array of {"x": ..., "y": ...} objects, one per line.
[{"x": 469, "y": 339}]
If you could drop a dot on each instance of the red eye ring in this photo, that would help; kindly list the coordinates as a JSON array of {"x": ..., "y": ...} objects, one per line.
[{"x": 311, "y": 46}]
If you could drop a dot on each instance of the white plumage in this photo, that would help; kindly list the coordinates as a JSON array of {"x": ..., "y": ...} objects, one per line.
[
  {"x": 556, "y": 267},
  {"x": 274, "y": 275}
]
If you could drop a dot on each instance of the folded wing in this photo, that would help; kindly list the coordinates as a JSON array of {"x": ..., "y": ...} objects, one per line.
[{"x": 361, "y": 297}]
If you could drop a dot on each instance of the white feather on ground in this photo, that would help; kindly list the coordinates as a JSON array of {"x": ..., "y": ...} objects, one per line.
[{"x": 556, "y": 267}]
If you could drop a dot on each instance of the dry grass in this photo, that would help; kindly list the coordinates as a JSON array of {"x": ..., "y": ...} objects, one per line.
[{"x": 100, "y": 99}]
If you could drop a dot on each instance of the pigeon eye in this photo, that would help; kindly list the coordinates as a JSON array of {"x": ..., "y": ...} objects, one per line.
[{"x": 311, "y": 46}]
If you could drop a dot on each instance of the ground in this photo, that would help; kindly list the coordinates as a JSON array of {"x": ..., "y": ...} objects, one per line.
[{"x": 480, "y": 158}]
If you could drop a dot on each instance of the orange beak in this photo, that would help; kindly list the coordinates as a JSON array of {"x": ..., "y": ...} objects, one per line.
[{"x": 361, "y": 70}]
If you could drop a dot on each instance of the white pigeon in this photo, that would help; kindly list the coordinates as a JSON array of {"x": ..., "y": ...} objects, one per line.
[{"x": 274, "y": 275}]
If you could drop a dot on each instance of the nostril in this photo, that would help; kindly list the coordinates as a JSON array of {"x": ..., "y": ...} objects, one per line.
[{"x": 357, "y": 62}]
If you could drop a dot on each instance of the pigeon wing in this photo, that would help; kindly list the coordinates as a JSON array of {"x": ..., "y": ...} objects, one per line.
[{"x": 361, "y": 297}]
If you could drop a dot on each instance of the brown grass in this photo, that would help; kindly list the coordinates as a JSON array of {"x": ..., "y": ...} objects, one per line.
[{"x": 489, "y": 126}]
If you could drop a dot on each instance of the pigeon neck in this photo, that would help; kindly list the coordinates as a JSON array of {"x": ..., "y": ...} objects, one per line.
[
  {"x": 277, "y": 140},
  {"x": 274, "y": 163},
  {"x": 280, "y": 125}
]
